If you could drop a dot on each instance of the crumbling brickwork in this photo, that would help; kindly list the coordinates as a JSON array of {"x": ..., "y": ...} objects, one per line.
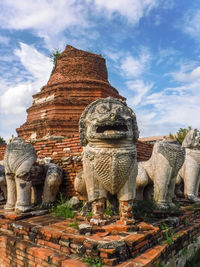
[
  {"x": 78, "y": 79},
  {"x": 66, "y": 152},
  {"x": 52, "y": 242}
]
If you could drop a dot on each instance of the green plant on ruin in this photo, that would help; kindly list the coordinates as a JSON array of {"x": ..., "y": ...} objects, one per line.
[
  {"x": 62, "y": 209},
  {"x": 2, "y": 141},
  {"x": 110, "y": 209},
  {"x": 180, "y": 135},
  {"x": 54, "y": 55},
  {"x": 74, "y": 225},
  {"x": 168, "y": 234},
  {"x": 186, "y": 222},
  {"x": 143, "y": 209},
  {"x": 90, "y": 214},
  {"x": 184, "y": 252},
  {"x": 94, "y": 262}
]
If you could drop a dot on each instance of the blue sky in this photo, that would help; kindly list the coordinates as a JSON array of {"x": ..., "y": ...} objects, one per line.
[{"x": 152, "y": 49}]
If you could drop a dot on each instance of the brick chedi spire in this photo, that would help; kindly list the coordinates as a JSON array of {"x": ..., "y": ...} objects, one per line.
[{"x": 78, "y": 78}]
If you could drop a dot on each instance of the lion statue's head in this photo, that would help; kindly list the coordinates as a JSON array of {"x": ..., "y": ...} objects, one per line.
[
  {"x": 192, "y": 139},
  {"x": 107, "y": 119}
]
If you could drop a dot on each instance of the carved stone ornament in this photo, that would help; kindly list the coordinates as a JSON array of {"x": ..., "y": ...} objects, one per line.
[
  {"x": 108, "y": 132},
  {"x": 190, "y": 171},
  {"x": 159, "y": 173},
  {"x": 46, "y": 180},
  {"x": 18, "y": 159},
  {"x": 24, "y": 177}
]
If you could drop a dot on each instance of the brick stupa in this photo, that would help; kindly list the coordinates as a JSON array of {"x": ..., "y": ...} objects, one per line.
[{"x": 78, "y": 78}]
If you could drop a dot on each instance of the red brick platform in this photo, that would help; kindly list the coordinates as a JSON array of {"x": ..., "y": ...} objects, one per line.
[{"x": 44, "y": 240}]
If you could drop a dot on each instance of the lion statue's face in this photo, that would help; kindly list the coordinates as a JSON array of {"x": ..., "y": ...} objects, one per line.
[
  {"x": 192, "y": 139},
  {"x": 108, "y": 118}
]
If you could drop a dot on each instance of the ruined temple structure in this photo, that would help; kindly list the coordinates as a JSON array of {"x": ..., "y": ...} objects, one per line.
[{"x": 78, "y": 78}]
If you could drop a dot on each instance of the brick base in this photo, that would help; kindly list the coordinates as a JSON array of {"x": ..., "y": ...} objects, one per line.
[{"x": 48, "y": 241}]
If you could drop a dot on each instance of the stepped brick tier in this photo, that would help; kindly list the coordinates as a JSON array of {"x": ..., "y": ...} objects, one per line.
[
  {"x": 78, "y": 78},
  {"x": 44, "y": 240}
]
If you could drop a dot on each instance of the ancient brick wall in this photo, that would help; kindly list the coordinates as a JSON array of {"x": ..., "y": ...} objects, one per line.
[
  {"x": 52, "y": 242},
  {"x": 2, "y": 150},
  {"x": 66, "y": 152},
  {"x": 144, "y": 151},
  {"x": 78, "y": 79}
]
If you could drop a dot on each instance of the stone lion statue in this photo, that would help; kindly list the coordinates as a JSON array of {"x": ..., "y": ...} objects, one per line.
[
  {"x": 190, "y": 171},
  {"x": 159, "y": 173},
  {"x": 108, "y": 132}
]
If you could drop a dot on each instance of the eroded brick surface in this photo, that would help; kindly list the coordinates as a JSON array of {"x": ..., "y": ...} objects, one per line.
[
  {"x": 50, "y": 241},
  {"x": 78, "y": 79},
  {"x": 66, "y": 152}
]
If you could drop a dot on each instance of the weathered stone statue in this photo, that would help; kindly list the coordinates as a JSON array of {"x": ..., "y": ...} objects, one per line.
[
  {"x": 24, "y": 176},
  {"x": 18, "y": 160},
  {"x": 46, "y": 180},
  {"x": 190, "y": 171},
  {"x": 3, "y": 193},
  {"x": 108, "y": 131},
  {"x": 160, "y": 171}
]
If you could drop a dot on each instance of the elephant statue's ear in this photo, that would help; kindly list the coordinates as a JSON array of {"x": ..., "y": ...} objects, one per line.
[{"x": 189, "y": 139}]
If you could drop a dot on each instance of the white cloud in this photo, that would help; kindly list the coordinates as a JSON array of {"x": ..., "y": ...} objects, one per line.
[
  {"x": 53, "y": 20},
  {"x": 16, "y": 98},
  {"x": 187, "y": 77},
  {"x": 42, "y": 15},
  {"x": 167, "y": 55},
  {"x": 135, "y": 66},
  {"x": 133, "y": 10},
  {"x": 47, "y": 19},
  {"x": 191, "y": 24},
  {"x": 114, "y": 55},
  {"x": 144, "y": 121},
  {"x": 140, "y": 89},
  {"x": 38, "y": 65},
  {"x": 174, "y": 107}
]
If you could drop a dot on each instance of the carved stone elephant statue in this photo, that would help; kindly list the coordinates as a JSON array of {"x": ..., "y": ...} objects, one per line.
[
  {"x": 46, "y": 180},
  {"x": 27, "y": 181},
  {"x": 189, "y": 174},
  {"x": 18, "y": 159},
  {"x": 159, "y": 173}
]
